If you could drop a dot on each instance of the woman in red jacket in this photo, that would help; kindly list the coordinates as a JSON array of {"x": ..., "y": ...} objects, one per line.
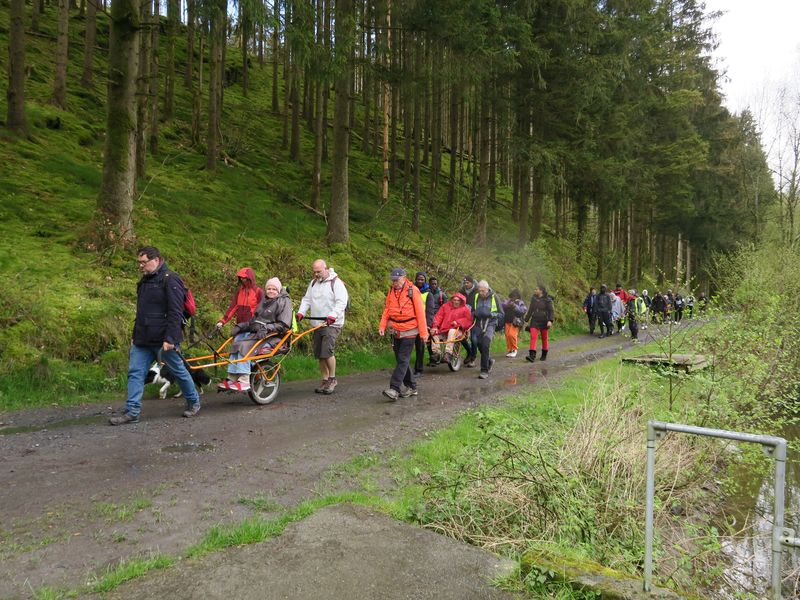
[
  {"x": 246, "y": 299},
  {"x": 450, "y": 322}
]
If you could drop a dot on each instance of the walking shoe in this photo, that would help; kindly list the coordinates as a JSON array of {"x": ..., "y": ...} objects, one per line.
[
  {"x": 491, "y": 364},
  {"x": 601, "y": 336},
  {"x": 483, "y": 375},
  {"x": 225, "y": 385},
  {"x": 408, "y": 392},
  {"x": 392, "y": 394},
  {"x": 192, "y": 410},
  {"x": 544, "y": 355},
  {"x": 418, "y": 374},
  {"x": 123, "y": 419},
  {"x": 329, "y": 386},
  {"x": 512, "y": 354},
  {"x": 470, "y": 361},
  {"x": 321, "y": 388}
]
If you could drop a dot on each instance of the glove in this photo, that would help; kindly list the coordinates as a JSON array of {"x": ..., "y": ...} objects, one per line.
[
  {"x": 330, "y": 320},
  {"x": 299, "y": 317},
  {"x": 219, "y": 325}
]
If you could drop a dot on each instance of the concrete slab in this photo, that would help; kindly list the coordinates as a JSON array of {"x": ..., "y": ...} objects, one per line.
[{"x": 340, "y": 552}]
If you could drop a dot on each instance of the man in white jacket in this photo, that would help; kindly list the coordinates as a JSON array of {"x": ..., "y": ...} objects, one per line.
[{"x": 326, "y": 299}]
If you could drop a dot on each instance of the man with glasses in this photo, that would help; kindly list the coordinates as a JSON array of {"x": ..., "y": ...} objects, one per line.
[{"x": 156, "y": 334}]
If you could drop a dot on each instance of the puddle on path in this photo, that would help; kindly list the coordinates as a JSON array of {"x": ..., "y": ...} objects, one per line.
[
  {"x": 188, "y": 447},
  {"x": 90, "y": 420}
]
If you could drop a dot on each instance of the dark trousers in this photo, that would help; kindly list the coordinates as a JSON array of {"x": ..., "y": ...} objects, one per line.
[
  {"x": 592, "y": 320},
  {"x": 678, "y": 315},
  {"x": 402, "y": 374},
  {"x": 419, "y": 354},
  {"x": 470, "y": 344},
  {"x": 604, "y": 319},
  {"x": 484, "y": 343},
  {"x": 634, "y": 328}
]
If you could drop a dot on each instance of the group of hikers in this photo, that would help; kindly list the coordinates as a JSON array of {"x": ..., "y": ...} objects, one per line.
[
  {"x": 629, "y": 308},
  {"x": 418, "y": 315}
]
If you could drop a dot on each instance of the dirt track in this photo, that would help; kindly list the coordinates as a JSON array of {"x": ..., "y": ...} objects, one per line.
[{"x": 80, "y": 495}]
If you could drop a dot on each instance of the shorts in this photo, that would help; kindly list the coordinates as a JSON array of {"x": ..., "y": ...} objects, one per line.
[{"x": 324, "y": 341}]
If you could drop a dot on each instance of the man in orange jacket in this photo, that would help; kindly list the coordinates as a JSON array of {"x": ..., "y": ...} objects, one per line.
[{"x": 404, "y": 317}]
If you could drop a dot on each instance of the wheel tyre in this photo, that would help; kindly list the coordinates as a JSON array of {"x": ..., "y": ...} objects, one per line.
[
  {"x": 456, "y": 362},
  {"x": 263, "y": 391}
]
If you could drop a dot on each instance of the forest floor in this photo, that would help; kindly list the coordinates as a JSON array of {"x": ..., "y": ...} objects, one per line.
[{"x": 80, "y": 496}]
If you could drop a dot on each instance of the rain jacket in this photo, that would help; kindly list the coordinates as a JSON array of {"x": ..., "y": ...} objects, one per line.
[
  {"x": 404, "y": 312},
  {"x": 433, "y": 302},
  {"x": 617, "y": 307},
  {"x": 159, "y": 308},
  {"x": 513, "y": 309},
  {"x": 246, "y": 300},
  {"x": 540, "y": 312},
  {"x": 489, "y": 308},
  {"x": 326, "y": 298},
  {"x": 447, "y": 314},
  {"x": 273, "y": 316}
]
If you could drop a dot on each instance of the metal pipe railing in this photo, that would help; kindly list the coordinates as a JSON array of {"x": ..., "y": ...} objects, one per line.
[{"x": 774, "y": 447}]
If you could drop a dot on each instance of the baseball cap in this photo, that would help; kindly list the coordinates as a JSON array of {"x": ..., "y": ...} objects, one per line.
[{"x": 397, "y": 274}]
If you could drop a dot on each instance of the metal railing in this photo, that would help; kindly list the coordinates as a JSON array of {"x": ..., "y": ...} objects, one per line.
[{"x": 774, "y": 447}]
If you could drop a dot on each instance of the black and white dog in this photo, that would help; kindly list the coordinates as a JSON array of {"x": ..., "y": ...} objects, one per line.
[{"x": 161, "y": 375}]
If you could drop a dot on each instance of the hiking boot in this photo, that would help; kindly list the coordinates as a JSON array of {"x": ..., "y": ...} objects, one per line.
[
  {"x": 192, "y": 410},
  {"x": 512, "y": 354},
  {"x": 329, "y": 386},
  {"x": 408, "y": 392},
  {"x": 123, "y": 419},
  {"x": 392, "y": 394},
  {"x": 483, "y": 375},
  {"x": 531, "y": 356},
  {"x": 544, "y": 355},
  {"x": 321, "y": 388}
]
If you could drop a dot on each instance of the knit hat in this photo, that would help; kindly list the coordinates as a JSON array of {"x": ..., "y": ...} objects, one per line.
[
  {"x": 425, "y": 275},
  {"x": 273, "y": 282}
]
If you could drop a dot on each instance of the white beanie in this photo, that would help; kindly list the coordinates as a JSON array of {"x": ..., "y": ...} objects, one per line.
[{"x": 273, "y": 282}]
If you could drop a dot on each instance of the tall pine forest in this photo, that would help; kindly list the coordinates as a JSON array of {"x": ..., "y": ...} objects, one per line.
[{"x": 564, "y": 142}]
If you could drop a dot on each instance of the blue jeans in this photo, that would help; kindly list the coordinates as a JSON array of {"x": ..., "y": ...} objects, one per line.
[
  {"x": 139, "y": 361},
  {"x": 240, "y": 368}
]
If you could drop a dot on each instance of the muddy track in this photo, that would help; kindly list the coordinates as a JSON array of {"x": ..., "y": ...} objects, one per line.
[{"x": 78, "y": 495}]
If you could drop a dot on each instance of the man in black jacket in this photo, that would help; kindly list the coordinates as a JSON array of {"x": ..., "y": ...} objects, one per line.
[
  {"x": 603, "y": 304},
  {"x": 157, "y": 332}
]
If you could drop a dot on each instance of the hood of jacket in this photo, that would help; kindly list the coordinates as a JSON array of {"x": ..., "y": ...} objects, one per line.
[
  {"x": 460, "y": 296},
  {"x": 248, "y": 274}
]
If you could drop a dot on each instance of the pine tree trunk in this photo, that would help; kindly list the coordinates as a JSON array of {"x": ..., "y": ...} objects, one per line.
[
  {"x": 316, "y": 178},
  {"x": 436, "y": 130},
  {"x": 276, "y": 34},
  {"x": 294, "y": 148},
  {"x": 537, "y": 201},
  {"x": 62, "y": 48},
  {"x": 485, "y": 124},
  {"x": 173, "y": 14},
  {"x": 154, "y": 81},
  {"x": 524, "y": 194},
  {"x": 214, "y": 84},
  {"x": 417, "y": 127},
  {"x": 288, "y": 76},
  {"x": 367, "y": 89},
  {"x": 15, "y": 94},
  {"x": 387, "y": 99},
  {"x": 244, "y": 31},
  {"x": 455, "y": 102},
  {"x": 90, "y": 39},
  {"x": 117, "y": 191},
  {"x": 326, "y": 31},
  {"x": 338, "y": 221},
  {"x": 37, "y": 6},
  {"x": 142, "y": 83},
  {"x": 191, "y": 19}
]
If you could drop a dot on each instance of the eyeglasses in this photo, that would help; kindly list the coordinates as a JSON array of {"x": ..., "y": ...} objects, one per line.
[{"x": 144, "y": 262}]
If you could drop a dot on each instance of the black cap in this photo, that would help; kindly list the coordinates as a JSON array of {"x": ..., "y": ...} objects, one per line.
[{"x": 397, "y": 274}]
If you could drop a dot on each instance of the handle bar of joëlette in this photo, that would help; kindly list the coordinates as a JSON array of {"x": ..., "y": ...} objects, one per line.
[
  {"x": 220, "y": 357},
  {"x": 459, "y": 339}
]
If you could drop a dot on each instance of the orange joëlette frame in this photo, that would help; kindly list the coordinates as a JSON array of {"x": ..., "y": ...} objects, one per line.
[
  {"x": 196, "y": 362},
  {"x": 460, "y": 339}
]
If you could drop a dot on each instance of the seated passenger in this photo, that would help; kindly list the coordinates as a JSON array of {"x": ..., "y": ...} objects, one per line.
[
  {"x": 450, "y": 322},
  {"x": 271, "y": 320}
]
